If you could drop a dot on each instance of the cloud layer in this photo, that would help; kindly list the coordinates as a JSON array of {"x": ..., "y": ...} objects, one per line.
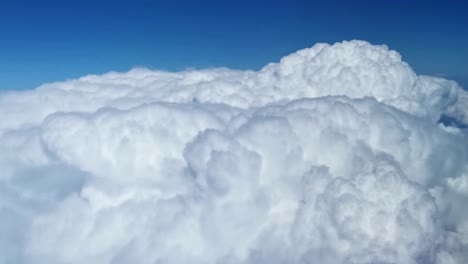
[{"x": 337, "y": 154}]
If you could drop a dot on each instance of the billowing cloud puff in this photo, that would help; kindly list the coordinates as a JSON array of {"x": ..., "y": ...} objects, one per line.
[{"x": 336, "y": 154}]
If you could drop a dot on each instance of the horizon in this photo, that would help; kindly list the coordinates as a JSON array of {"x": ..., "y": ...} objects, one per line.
[{"x": 54, "y": 41}]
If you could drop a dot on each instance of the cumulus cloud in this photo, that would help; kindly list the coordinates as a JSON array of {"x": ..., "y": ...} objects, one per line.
[{"x": 337, "y": 154}]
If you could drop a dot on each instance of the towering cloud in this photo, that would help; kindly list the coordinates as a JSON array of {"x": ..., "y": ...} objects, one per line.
[{"x": 337, "y": 154}]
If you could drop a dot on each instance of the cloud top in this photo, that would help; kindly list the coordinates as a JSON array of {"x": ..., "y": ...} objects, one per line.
[{"x": 335, "y": 154}]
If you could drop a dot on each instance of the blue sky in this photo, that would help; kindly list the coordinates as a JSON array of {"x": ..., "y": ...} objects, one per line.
[{"x": 44, "y": 41}]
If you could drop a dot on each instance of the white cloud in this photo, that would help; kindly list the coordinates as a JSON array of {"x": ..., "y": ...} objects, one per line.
[{"x": 333, "y": 155}]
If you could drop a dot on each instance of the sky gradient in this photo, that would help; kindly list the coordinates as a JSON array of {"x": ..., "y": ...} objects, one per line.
[{"x": 56, "y": 40}]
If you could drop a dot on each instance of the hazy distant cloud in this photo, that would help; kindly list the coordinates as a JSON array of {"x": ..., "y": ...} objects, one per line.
[{"x": 333, "y": 155}]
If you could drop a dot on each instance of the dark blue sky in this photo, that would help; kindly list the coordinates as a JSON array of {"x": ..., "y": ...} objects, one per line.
[{"x": 44, "y": 41}]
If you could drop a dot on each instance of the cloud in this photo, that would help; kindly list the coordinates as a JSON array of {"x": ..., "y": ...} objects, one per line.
[{"x": 336, "y": 154}]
